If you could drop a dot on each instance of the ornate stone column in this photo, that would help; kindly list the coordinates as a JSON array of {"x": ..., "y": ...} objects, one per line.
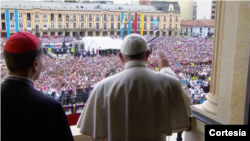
[{"x": 225, "y": 102}]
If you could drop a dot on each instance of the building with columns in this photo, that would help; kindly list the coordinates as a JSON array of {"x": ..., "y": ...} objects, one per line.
[{"x": 67, "y": 19}]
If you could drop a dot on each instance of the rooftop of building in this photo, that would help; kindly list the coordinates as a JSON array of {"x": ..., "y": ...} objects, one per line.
[
  {"x": 27, "y": 5},
  {"x": 198, "y": 23}
]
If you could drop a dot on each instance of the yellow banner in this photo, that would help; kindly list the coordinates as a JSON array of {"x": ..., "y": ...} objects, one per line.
[{"x": 142, "y": 23}]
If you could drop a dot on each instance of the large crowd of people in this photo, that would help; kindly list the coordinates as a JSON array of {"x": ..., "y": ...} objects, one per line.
[{"x": 67, "y": 78}]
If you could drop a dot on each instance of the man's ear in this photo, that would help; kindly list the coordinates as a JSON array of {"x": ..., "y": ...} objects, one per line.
[
  {"x": 34, "y": 64},
  {"x": 147, "y": 55},
  {"x": 120, "y": 56}
]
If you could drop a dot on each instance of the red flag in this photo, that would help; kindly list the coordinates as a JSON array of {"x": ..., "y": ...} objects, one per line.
[{"x": 135, "y": 23}]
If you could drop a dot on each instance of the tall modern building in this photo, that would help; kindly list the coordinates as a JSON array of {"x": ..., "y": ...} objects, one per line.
[
  {"x": 187, "y": 7},
  {"x": 213, "y": 9}
]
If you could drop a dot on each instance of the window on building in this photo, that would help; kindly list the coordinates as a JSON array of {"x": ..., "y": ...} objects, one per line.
[
  {"x": 20, "y": 16},
  {"x": 112, "y": 25},
  {"x": 112, "y": 17},
  {"x": 214, "y": 2},
  {"x": 3, "y": 26},
  {"x": 138, "y": 17},
  {"x": 186, "y": 29},
  {"x": 119, "y": 17},
  {"x": 52, "y": 17},
  {"x": 12, "y": 25},
  {"x": 67, "y": 16},
  {"x": 105, "y": 17},
  {"x": 74, "y": 16},
  {"x": 12, "y": 17},
  {"x": 164, "y": 26},
  {"x": 44, "y": 16},
  {"x": 213, "y": 7},
  {"x": 74, "y": 25},
  {"x": 170, "y": 18},
  {"x": 213, "y": 17},
  {"x": 90, "y": 25},
  {"x": 170, "y": 26},
  {"x": 59, "y": 16},
  {"x": 97, "y": 17},
  {"x": 132, "y": 17},
  {"x": 176, "y": 18},
  {"x": 105, "y": 26},
  {"x": 21, "y": 25},
  {"x": 45, "y": 25},
  {"x": 119, "y": 26},
  {"x": 145, "y": 26},
  {"x": 191, "y": 29},
  {"x": 213, "y": 12},
  {"x": 200, "y": 30},
  {"x": 82, "y": 17},
  {"x": 59, "y": 25},
  {"x": 67, "y": 25},
  {"x": 52, "y": 25},
  {"x": 90, "y": 18},
  {"x": 158, "y": 18},
  {"x": 176, "y": 26},
  {"x": 2, "y": 16},
  {"x": 36, "y": 16},
  {"x": 82, "y": 25},
  {"x": 28, "y": 16},
  {"x": 165, "y": 19},
  {"x": 151, "y": 26},
  {"x": 28, "y": 25},
  {"x": 37, "y": 26},
  {"x": 97, "y": 26},
  {"x": 138, "y": 26},
  {"x": 145, "y": 17},
  {"x": 152, "y": 18}
]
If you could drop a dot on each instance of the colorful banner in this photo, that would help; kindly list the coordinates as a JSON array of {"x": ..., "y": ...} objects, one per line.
[
  {"x": 135, "y": 23},
  {"x": 122, "y": 23},
  {"x": 16, "y": 21},
  {"x": 129, "y": 22},
  {"x": 142, "y": 23},
  {"x": 7, "y": 17},
  {"x": 155, "y": 25}
]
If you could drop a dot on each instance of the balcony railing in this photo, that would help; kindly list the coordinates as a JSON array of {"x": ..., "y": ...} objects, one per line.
[{"x": 74, "y": 116}]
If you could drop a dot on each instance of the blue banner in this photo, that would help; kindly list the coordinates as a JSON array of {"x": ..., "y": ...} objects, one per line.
[
  {"x": 7, "y": 22},
  {"x": 122, "y": 23},
  {"x": 16, "y": 21},
  {"x": 129, "y": 23}
]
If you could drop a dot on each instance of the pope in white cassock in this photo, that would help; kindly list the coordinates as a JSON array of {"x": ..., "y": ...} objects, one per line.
[{"x": 136, "y": 104}]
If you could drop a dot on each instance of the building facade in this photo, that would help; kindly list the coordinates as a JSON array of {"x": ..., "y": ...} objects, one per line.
[
  {"x": 102, "y": 1},
  {"x": 89, "y": 19},
  {"x": 200, "y": 28},
  {"x": 187, "y": 7},
  {"x": 213, "y": 9},
  {"x": 144, "y": 2}
]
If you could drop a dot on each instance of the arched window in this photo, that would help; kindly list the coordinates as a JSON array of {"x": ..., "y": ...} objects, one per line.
[
  {"x": 171, "y": 7},
  {"x": 105, "y": 17},
  {"x": 36, "y": 16}
]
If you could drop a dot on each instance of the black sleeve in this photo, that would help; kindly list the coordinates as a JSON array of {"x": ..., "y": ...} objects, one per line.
[{"x": 63, "y": 128}]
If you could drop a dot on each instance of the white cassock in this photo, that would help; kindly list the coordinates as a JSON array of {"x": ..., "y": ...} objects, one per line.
[{"x": 136, "y": 104}]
